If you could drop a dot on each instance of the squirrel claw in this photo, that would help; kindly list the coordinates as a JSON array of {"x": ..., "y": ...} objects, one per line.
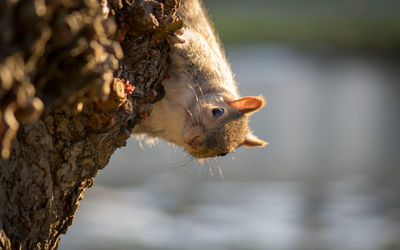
[
  {"x": 175, "y": 39},
  {"x": 180, "y": 32}
]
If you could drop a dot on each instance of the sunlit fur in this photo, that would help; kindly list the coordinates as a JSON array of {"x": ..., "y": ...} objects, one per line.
[{"x": 201, "y": 79}]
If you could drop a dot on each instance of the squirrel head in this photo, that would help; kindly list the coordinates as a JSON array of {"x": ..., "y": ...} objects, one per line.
[{"x": 215, "y": 127}]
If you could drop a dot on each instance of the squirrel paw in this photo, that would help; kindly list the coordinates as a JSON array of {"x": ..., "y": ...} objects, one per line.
[{"x": 175, "y": 38}]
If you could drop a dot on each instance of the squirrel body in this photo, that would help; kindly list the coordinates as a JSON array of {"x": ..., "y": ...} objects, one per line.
[{"x": 202, "y": 110}]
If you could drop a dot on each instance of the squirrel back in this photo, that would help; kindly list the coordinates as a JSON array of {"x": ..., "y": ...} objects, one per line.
[{"x": 202, "y": 109}]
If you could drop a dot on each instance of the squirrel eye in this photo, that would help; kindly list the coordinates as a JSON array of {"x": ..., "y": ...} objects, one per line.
[
  {"x": 217, "y": 111},
  {"x": 223, "y": 154}
]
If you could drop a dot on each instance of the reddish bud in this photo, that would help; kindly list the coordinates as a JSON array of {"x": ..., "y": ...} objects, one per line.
[{"x": 111, "y": 122}]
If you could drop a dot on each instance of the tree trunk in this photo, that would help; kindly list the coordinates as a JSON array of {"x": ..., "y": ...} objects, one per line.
[{"x": 66, "y": 69}]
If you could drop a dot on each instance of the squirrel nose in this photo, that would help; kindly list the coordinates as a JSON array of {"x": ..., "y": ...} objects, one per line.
[{"x": 194, "y": 142}]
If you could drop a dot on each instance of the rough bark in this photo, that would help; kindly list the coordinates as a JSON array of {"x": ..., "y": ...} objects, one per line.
[{"x": 66, "y": 102}]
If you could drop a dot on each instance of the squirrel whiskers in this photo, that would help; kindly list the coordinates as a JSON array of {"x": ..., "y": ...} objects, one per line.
[{"x": 202, "y": 110}]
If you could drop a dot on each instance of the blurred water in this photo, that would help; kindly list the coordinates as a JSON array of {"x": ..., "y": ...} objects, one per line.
[{"x": 328, "y": 180}]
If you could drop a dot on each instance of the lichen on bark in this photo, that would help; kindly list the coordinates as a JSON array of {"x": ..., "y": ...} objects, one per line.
[{"x": 66, "y": 102}]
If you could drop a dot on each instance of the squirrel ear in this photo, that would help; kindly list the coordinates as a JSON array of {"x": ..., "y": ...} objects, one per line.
[
  {"x": 252, "y": 141},
  {"x": 248, "y": 104}
]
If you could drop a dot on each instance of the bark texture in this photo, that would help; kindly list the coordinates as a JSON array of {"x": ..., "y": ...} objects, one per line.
[{"x": 67, "y": 102}]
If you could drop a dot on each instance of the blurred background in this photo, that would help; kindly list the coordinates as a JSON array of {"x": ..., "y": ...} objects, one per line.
[{"x": 330, "y": 178}]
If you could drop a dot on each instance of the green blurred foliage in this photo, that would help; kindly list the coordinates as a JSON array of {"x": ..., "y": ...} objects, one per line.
[{"x": 347, "y": 24}]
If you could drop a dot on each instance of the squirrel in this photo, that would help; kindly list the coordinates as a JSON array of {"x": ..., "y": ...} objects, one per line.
[{"x": 201, "y": 110}]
